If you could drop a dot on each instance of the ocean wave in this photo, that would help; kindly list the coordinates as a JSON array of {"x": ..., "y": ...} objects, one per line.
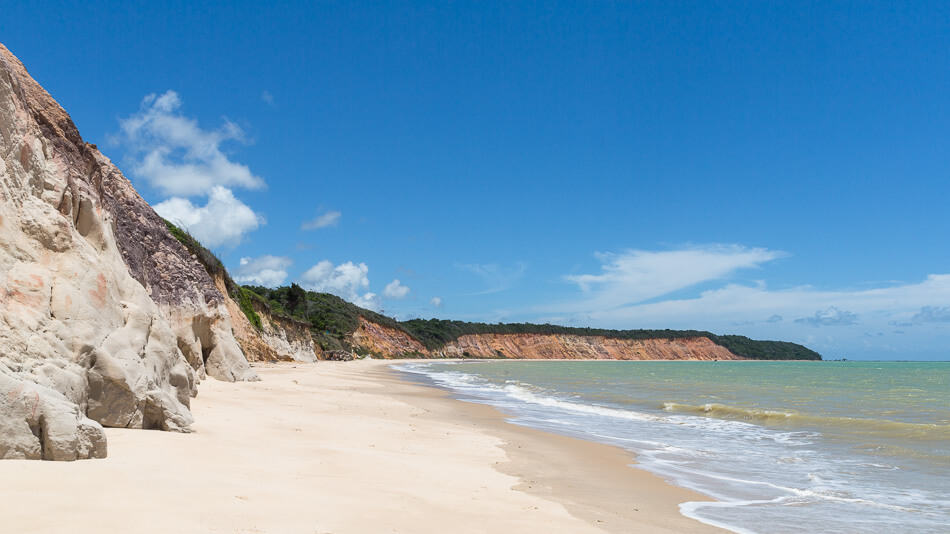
[
  {"x": 854, "y": 425},
  {"x": 521, "y": 392},
  {"x": 754, "y": 462}
]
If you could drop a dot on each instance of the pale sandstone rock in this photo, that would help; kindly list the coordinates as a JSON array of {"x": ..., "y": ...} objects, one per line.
[
  {"x": 104, "y": 316},
  {"x": 176, "y": 281},
  {"x": 38, "y": 422},
  {"x": 279, "y": 339},
  {"x": 289, "y": 339}
]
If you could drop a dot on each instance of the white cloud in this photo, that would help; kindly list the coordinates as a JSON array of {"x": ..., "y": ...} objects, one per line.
[
  {"x": 897, "y": 302},
  {"x": 831, "y": 316},
  {"x": 330, "y": 218},
  {"x": 267, "y": 97},
  {"x": 757, "y": 308},
  {"x": 223, "y": 220},
  {"x": 642, "y": 289},
  {"x": 932, "y": 314},
  {"x": 268, "y": 271},
  {"x": 180, "y": 159},
  {"x": 639, "y": 275},
  {"x": 395, "y": 290},
  {"x": 367, "y": 300},
  {"x": 346, "y": 280},
  {"x": 436, "y": 301}
]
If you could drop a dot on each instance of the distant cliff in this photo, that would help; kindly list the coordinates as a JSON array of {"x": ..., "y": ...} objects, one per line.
[
  {"x": 549, "y": 346},
  {"x": 337, "y": 324},
  {"x": 390, "y": 342},
  {"x": 290, "y": 323}
]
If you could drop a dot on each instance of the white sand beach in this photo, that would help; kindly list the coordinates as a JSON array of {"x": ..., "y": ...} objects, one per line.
[{"x": 340, "y": 448}]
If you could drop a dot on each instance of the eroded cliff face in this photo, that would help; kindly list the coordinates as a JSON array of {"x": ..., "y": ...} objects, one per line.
[
  {"x": 389, "y": 343},
  {"x": 105, "y": 319},
  {"x": 385, "y": 341},
  {"x": 279, "y": 339},
  {"x": 290, "y": 340},
  {"x": 174, "y": 279},
  {"x": 537, "y": 346}
]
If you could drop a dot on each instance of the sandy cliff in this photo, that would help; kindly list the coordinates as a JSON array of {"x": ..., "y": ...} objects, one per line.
[
  {"x": 278, "y": 338},
  {"x": 538, "y": 346},
  {"x": 105, "y": 319},
  {"x": 389, "y": 343},
  {"x": 385, "y": 341},
  {"x": 287, "y": 338}
]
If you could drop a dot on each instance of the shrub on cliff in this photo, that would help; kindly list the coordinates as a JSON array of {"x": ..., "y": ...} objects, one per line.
[
  {"x": 245, "y": 297},
  {"x": 331, "y": 318},
  {"x": 215, "y": 268}
]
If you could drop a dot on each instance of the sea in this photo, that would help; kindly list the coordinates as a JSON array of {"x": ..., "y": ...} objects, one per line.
[{"x": 837, "y": 447}]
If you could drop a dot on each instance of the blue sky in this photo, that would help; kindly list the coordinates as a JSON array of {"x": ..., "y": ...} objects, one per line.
[{"x": 778, "y": 170}]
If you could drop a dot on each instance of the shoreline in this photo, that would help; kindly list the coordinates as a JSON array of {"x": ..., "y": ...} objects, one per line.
[
  {"x": 594, "y": 481},
  {"x": 338, "y": 447}
]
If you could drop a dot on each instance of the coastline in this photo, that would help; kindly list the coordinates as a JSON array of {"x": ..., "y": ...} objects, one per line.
[
  {"x": 342, "y": 447},
  {"x": 594, "y": 481}
]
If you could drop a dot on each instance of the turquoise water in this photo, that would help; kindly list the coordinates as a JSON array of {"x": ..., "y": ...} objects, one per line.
[{"x": 782, "y": 446}]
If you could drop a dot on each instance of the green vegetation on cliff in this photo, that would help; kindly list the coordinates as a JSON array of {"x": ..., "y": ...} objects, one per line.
[
  {"x": 215, "y": 268},
  {"x": 435, "y": 333},
  {"x": 333, "y": 320},
  {"x": 205, "y": 257},
  {"x": 764, "y": 350}
]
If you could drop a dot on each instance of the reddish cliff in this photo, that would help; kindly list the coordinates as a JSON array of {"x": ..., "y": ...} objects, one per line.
[
  {"x": 548, "y": 346},
  {"x": 384, "y": 341},
  {"x": 390, "y": 342}
]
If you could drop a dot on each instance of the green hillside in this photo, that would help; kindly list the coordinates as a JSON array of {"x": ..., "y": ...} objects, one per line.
[{"x": 334, "y": 319}]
